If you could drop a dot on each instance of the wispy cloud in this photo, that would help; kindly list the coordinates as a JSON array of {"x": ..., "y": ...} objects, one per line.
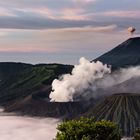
[
  {"x": 103, "y": 29},
  {"x": 73, "y": 14},
  {"x": 48, "y": 14},
  {"x": 84, "y": 3},
  {"x": 6, "y": 12},
  {"x": 62, "y": 14},
  {"x": 28, "y": 48},
  {"x": 54, "y": 40},
  {"x": 122, "y": 13}
]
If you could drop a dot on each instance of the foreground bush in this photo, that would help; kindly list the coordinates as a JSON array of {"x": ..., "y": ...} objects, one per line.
[{"x": 87, "y": 129}]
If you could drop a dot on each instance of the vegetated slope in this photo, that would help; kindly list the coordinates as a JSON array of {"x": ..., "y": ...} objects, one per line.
[
  {"x": 25, "y": 90},
  {"x": 123, "y": 109},
  {"x": 18, "y": 80},
  {"x": 124, "y": 55}
]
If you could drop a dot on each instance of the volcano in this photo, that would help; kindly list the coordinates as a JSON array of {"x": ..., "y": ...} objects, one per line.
[
  {"x": 124, "y": 55},
  {"x": 25, "y": 89},
  {"x": 124, "y": 109}
]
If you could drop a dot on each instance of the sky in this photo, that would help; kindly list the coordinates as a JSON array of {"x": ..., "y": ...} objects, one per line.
[{"x": 62, "y": 31}]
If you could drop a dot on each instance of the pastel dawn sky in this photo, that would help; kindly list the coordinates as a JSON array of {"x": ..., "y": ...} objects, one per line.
[{"x": 62, "y": 31}]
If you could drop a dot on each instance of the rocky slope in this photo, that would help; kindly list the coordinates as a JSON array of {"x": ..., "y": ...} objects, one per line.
[
  {"x": 33, "y": 106},
  {"x": 124, "y": 109}
]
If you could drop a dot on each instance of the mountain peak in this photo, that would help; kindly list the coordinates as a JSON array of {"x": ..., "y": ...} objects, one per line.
[
  {"x": 131, "y": 42},
  {"x": 124, "y": 55},
  {"x": 134, "y": 39}
]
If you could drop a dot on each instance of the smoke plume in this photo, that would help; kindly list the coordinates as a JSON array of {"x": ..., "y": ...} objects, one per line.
[
  {"x": 118, "y": 77},
  {"x": 93, "y": 79},
  {"x": 81, "y": 80}
]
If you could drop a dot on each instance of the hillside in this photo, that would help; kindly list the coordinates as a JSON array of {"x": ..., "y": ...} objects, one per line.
[
  {"x": 19, "y": 80},
  {"x": 124, "y": 55},
  {"x": 123, "y": 109}
]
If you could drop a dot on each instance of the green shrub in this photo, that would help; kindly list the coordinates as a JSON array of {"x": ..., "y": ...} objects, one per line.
[{"x": 87, "y": 129}]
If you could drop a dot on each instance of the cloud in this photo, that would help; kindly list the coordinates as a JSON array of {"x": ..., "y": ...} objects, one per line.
[
  {"x": 39, "y": 21},
  {"x": 103, "y": 29},
  {"x": 66, "y": 41},
  {"x": 3, "y": 34},
  {"x": 58, "y": 45},
  {"x": 73, "y": 14},
  {"x": 29, "y": 48},
  {"x": 21, "y": 128},
  {"x": 84, "y": 3},
  {"x": 58, "y": 4},
  {"x": 6, "y": 12},
  {"x": 49, "y": 14},
  {"x": 123, "y": 14},
  {"x": 45, "y": 18}
]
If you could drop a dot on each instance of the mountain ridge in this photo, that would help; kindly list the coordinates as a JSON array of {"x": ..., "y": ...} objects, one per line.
[{"x": 124, "y": 55}]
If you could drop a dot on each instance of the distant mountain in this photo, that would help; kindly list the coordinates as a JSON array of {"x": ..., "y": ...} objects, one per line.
[
  {"x": 124, "y": 55},
  {"x": 124, "y": 109}
]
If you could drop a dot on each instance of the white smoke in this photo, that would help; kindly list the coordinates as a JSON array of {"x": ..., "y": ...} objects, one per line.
[
  {"x": 88, "y": 77},
  {"x": 118, "y": 77},
  {"x": 81, "y": 79}
]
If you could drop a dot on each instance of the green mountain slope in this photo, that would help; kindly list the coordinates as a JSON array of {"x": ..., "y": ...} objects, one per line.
[
  {"x": 18, "y": 80},
  {"x": 25, "y": 89}
]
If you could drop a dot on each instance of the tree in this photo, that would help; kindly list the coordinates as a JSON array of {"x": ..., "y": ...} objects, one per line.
[
  {"x": 137, "y": 134},
  {"x": 87, "y": 129}
]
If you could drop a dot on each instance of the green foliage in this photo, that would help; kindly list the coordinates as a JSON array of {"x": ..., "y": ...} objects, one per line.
[
  {"x": 88, "y": 129},
  {"x": 137, "y": 134},
  {"x": 20, "y": 80}
]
